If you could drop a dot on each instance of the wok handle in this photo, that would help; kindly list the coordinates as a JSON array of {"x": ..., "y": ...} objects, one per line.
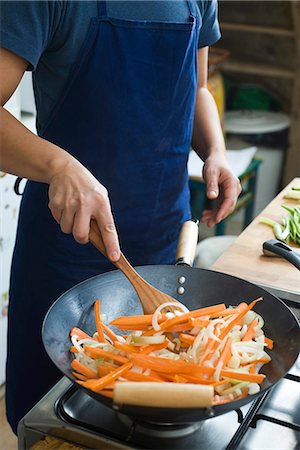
[{"x": 187, "y": 243}]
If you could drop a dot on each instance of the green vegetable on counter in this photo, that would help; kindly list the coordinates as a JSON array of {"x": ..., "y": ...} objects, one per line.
[
  {"x": 293, "y": 193},
  {"x": 289, "y": 229}
]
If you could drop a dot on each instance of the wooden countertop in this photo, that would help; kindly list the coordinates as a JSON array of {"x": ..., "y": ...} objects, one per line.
[{"x": 244, "y": 258}]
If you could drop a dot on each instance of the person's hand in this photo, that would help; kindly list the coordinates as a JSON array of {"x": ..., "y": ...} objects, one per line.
[
  {"x": 76, "y": 197},
  {"x": 221, "y": 185}
]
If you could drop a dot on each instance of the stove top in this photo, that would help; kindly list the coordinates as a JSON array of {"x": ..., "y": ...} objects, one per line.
[{"x": 270, "y": 422}]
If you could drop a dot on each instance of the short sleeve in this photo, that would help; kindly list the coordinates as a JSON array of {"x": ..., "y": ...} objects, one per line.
[
  {"x": 209, "y": 32},
  {"x": 26, "y": 27}
]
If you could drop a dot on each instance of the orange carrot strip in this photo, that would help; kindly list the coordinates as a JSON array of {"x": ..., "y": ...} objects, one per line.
[
  {"x": 252, "y": 368},
  {"x": 198, "y": 380},
  {"x": 101, "y": 383},
  {"x": 210, "y": 346},
  {"x": 225, "y": 312},
  {"x": 79, "y": 367},
  {"x": 145, "y": 349},
  {"x": 109, "y": 332},
  {"x": 261, "y": 360},
  {"x": 250, "y": 333},
  {"x": 225, "y": 354},
  {"x": 185, "y": 317},
  {"x": 166, "y": 365},
  {"x": 104, "y": 369},
  {"x": 179, "y": 379},
  {"x": 201, "y": 323},
  {"x": 81, "y": 334},
  {"x": 96, "y": 353},
  {"x": 79, "y": 376},
  {"x": 73, "y": 349},
  {"x": 107, "y": 393},
  {"x": 187, "y": 338},
  {"x": 239, "y": 317},
  {"x": 269, "y": 343},
  {"x": 145, "y": 320},
  {"x": 252, "y": 377},
  {"x": 134, "y": 376},
  {"x": 100, "y": 336},
  {"x": 126, "y": 347}
]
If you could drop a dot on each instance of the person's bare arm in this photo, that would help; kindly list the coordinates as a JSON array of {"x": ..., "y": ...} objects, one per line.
[
  {"x": 209, "y": 144},
  {"x": 75, "y": 195}
]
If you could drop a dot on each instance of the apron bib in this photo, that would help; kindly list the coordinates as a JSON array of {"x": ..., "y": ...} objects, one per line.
[{"x": 126, "y": 115}]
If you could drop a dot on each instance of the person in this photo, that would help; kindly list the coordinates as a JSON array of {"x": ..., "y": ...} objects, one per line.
[{"x": 121, "y": 95}]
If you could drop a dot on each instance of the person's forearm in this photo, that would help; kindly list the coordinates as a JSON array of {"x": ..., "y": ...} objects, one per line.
[
  {"x": 207, "y": 132},
  {"x": 26, "y": 155}
]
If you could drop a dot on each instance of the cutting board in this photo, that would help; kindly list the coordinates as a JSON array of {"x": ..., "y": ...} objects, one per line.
[{"x": 244, "y": 258}]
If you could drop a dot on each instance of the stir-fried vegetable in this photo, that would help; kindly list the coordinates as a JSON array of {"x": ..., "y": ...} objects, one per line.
[
  {"x": 289, "y": 229},
  {"x": 213, "y": 346}
]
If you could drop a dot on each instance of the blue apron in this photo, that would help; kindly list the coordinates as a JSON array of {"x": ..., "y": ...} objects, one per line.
[{"x": 127, "y": 115}]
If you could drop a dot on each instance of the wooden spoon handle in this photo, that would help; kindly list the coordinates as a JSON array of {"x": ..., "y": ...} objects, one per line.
[{"x": 122, "y": 263}]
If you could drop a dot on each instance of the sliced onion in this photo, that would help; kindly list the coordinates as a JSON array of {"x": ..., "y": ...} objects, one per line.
[
  {"x": 156, "y": 314},
  {"x": 254, "y": 388}
]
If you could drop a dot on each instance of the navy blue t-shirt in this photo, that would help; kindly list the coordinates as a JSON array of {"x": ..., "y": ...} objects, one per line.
[{"x": 49, "y": 35}]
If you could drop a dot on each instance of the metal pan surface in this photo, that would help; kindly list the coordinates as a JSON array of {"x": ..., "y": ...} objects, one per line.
[{"x": 201, "y": 288}]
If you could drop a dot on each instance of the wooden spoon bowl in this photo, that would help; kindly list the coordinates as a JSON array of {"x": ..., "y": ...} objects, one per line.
[{"x": 150, "y": 297}]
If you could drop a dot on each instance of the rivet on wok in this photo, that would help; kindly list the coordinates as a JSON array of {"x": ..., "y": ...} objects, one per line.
[
  {"x": 180, "y": 290},
  {"x": 181, "y": 280}
]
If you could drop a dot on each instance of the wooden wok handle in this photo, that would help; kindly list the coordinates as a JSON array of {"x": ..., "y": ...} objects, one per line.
[
  {"x": 187, "y": 243},
  {"x": 172, "y": 395}
]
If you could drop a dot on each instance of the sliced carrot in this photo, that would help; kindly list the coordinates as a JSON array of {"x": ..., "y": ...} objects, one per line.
[
  {"x": 81, "y": 334},
  {"x": 269, "y": 343},
  {"x": 145, "y": 349},
  {"x": 101, "y": 383},
  {"x": 107, "y": 393},
  {"x": 109, "y": 332},
  {"x": 79, "y": 376},
  {"x": 81, "y": 368},
  {"x": 187, "y": 338},
  {"x": 239, "y": 317},
  {"x": 126, "y": 347},
  {"x": 135, "y": 376},
  {"x": 96, "y": 353},
  {"x": 201, "y": 323},
  {"x": 250, "y": 333},
  {"x": 166, "y": 365},
  {"x": 261, "y": 360},
  {"x": 225, "y": 312},
  {"x": 186, "y": 316},
  {"x": 252, "y": 377},
  {"x": 179, "y": 379},
  {"x": 73, "y": 349},
  {"x": 104, "y": 369},
  {"x": 100, "y": 336},
  {"x": 145, "y": 320},
  {"x": 225, "y": 354}
]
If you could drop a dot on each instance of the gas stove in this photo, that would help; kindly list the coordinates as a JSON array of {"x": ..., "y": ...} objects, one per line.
[{"x": 69, "y": 414}]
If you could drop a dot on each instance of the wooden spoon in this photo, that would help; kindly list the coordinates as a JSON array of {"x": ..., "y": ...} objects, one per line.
[{"x": 149, "y": 296}]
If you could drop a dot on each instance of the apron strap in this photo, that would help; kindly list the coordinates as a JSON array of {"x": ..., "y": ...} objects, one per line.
[
  {"x": 102, "y": 12},
  {"x": 191, "y": 8}
]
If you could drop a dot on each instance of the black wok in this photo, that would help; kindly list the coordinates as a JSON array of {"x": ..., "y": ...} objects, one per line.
[{"x": 202, "y": 288}]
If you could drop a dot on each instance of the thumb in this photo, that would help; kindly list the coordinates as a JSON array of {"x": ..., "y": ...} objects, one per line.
[{"x": 212, "y": 189}]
